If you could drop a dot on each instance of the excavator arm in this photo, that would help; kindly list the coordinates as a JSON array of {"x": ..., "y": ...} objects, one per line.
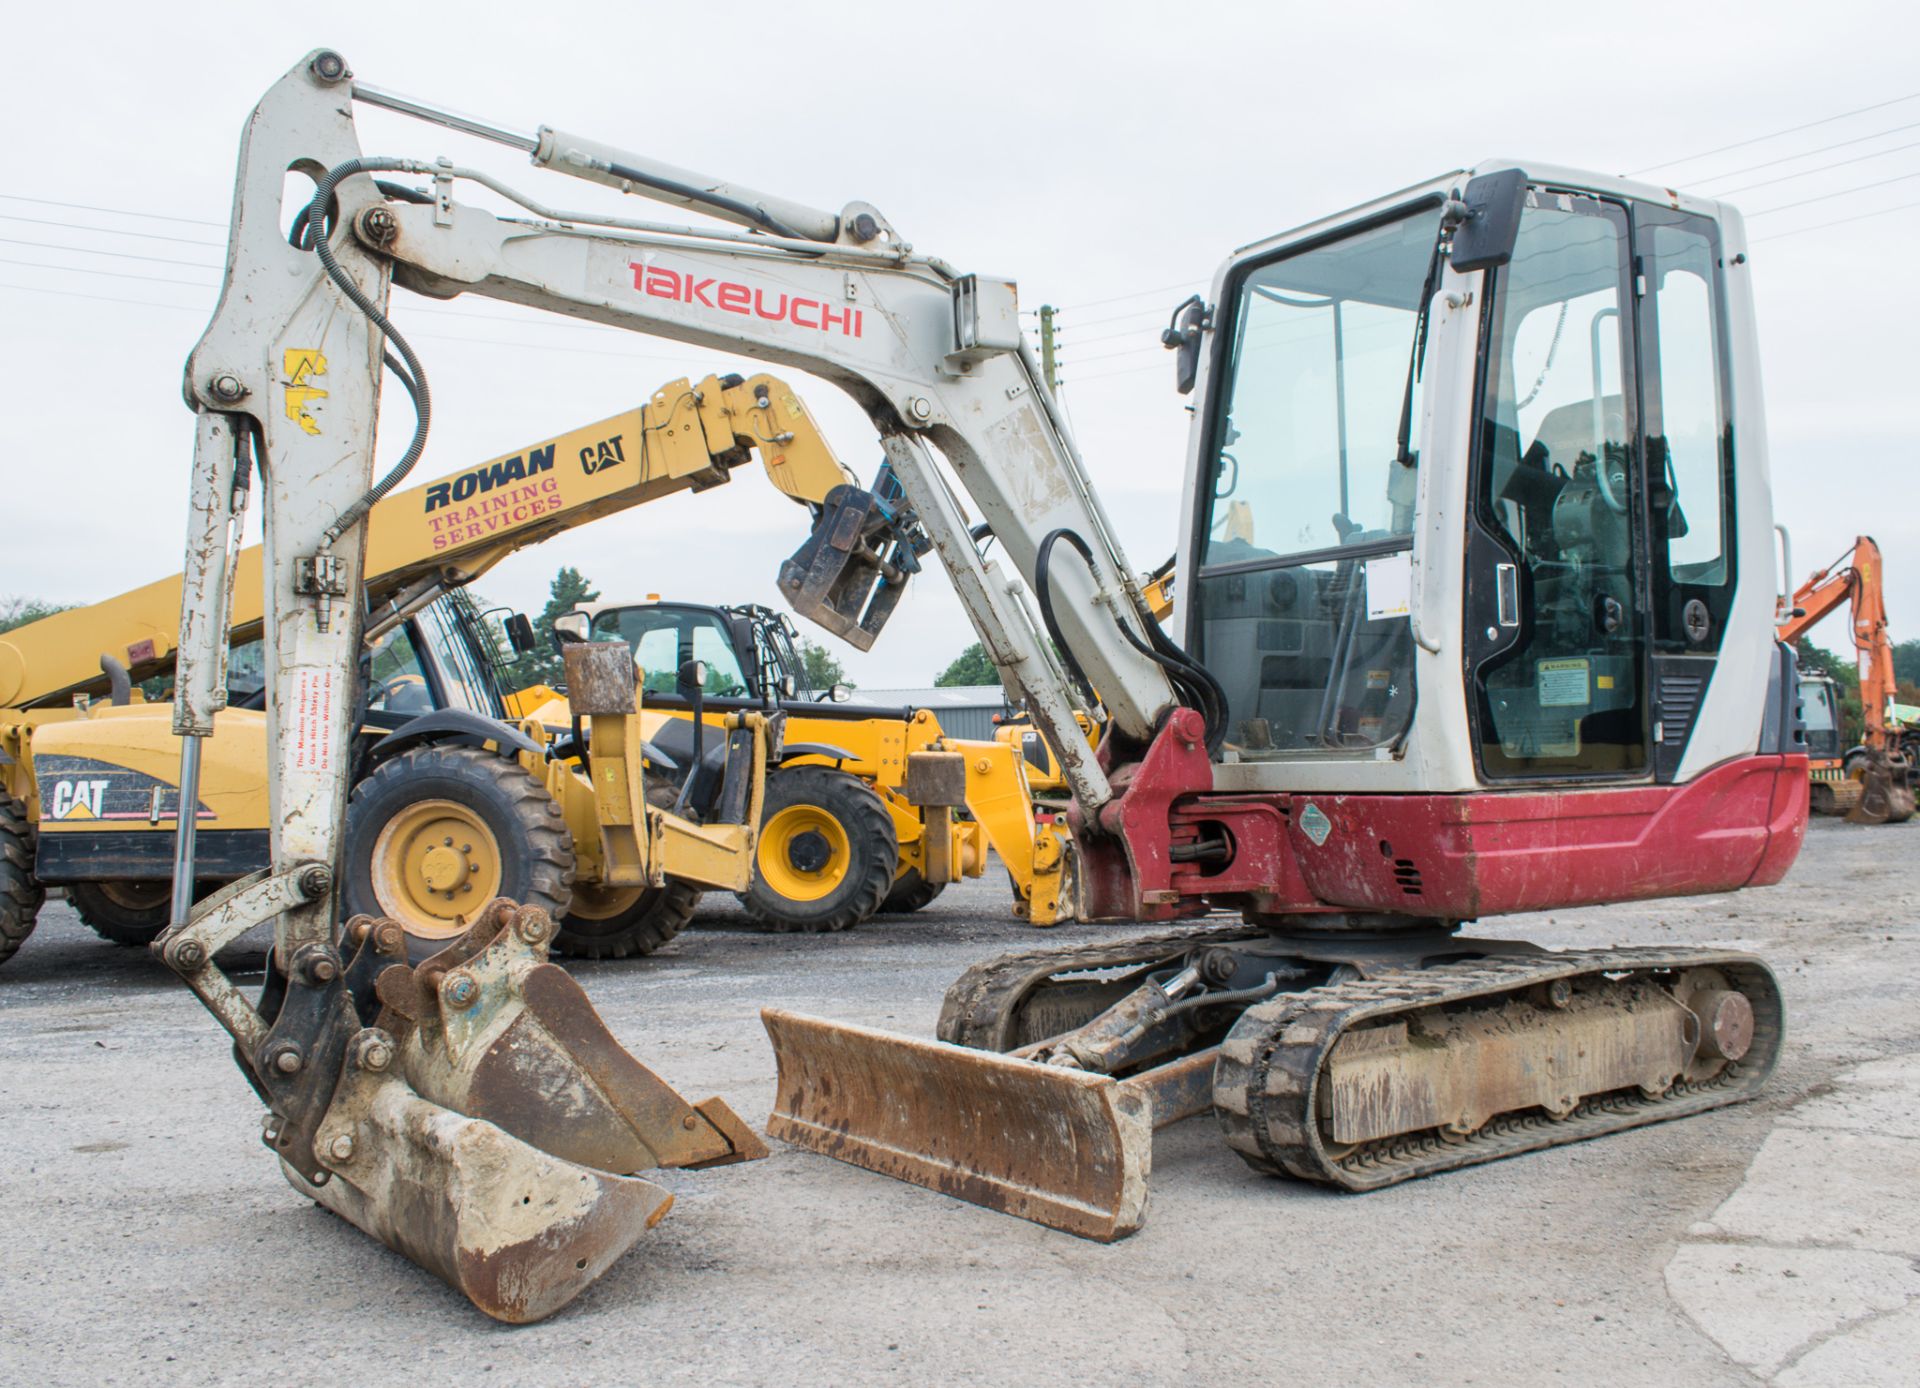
[{"x": 417, "y": 1103}]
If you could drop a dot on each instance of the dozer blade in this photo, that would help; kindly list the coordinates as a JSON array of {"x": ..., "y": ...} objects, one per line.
[
  {"x": 1055, "y": 1145},
  {"x": 519, "y": 1231}
]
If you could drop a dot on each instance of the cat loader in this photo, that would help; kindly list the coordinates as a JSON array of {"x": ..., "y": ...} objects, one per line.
[
  {"x": 1496, "y": 635},
  {"x": 89, "y": 798},
  {"x": 859, "y": 818}
]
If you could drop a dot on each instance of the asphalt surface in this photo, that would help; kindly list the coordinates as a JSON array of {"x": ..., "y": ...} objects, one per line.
[{"x": 145, "y": 1236}]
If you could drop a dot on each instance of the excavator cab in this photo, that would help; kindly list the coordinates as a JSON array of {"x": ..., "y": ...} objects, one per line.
[{"x": 1476, "y": 555}]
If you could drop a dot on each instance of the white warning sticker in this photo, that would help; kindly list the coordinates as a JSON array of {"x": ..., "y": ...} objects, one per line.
[
  {"x": 312, "y": 717},
  {"x": 1562, "y": 683},
  {"x": 1389, "y": 586}
]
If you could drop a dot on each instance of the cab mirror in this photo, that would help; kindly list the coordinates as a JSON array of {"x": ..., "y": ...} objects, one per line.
[
  {"x": 519, "y": 633},
  {"x": 1182, "y": 336},
  {"x": 570, "y": 627},
  {"x": 693, "y": 679},
  {"x": 839, "y": 694},
  {"x": 1484, "y": 237}
]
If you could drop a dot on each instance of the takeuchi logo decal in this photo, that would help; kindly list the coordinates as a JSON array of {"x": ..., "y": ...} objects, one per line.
[{"x": 725, "y": 296}]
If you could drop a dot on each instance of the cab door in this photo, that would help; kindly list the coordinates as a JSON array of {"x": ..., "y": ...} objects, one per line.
[
  {"x": 1600, "y": 550},
  {"x": 1557, "y": 636}
]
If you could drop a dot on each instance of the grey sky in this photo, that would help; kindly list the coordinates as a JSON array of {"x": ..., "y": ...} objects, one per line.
[{"x": 1093, "y": 151}]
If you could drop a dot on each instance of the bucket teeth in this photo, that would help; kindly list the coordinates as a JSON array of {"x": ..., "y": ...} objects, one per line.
[
  {"x": 1059, "y": 1146},
  {"x": 519, "y": 1231}
]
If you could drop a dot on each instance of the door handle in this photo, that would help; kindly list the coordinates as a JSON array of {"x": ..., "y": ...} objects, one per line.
[{"x": 1506, "y": 594}]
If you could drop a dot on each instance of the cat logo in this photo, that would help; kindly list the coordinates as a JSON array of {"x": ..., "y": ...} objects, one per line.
[
  {"x": 78, "y": 799},
  {"x": 603, "y": 454}
]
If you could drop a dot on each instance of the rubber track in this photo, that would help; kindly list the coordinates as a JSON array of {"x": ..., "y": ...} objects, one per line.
[
  {"x": 1266, "y": 1079},
  {"x": 981, "y": 1009}
]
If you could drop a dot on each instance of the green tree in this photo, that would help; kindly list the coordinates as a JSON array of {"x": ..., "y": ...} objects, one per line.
[
  {"x": 18, "y": 611},
  {"x": 971, "y": 666},
  {"x": 542, "y": 665},
  {"x": 820, "y": 669},
  {"x": 1906, "y": 662}
]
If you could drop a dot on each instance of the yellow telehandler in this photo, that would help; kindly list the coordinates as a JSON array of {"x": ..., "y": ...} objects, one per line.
[{"x": 88, "y": 793}]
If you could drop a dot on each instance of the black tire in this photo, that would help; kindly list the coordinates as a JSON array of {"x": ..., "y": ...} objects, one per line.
[
  {"x": 910, "y": 892},
  {"x": 524, "y": 829},
  {"x": 127, "y": 913},
  {"x": 859, "y": 869},
  {"x": 20, "y": 894},
  {"x": 655, "y": 917}
]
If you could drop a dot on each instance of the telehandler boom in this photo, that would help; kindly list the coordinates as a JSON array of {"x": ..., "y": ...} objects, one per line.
[{"x": 1466, "y": 655}]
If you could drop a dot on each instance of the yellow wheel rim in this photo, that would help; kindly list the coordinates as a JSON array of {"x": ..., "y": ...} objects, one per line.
[
  {"x": 592, "y": 902},
  {"x": 435, "y": 864},
  {"x": 136, "y": 896},
  {"x": 804, "y": 853}
]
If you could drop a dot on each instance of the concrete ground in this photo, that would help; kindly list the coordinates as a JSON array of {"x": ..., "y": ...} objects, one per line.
[{"x": 148, "y": 1238}]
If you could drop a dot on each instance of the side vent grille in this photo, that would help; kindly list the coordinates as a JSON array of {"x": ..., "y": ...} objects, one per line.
[
  {"x": 1679, "y": 697},
  {"x": 1407, "y": 875}
]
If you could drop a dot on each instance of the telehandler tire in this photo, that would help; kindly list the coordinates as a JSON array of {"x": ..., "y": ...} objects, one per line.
[
  {"x": 827, "y": 852},
  {"x": 910, "y": 892},
  {"x": 127, "y": 913},
  {"x": 439, "y": 831},
  {"x": 653, "y": 916},
  {"x": 20, "y": 894}
]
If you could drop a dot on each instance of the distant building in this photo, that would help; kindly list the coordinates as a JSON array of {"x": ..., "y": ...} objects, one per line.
[{"x": 964, "y": 710}]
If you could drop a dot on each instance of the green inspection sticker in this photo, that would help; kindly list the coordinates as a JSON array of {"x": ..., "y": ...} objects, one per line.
[{"x": 1315, "y": 825}]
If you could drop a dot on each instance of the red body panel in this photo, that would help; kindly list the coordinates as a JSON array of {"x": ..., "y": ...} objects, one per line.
[{"x": 1455, "y": 857}]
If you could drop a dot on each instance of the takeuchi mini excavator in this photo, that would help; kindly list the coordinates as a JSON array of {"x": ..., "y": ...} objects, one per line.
[
  {"x": 1492, "y": 631},
  {"x": 1871, "y": 783}
]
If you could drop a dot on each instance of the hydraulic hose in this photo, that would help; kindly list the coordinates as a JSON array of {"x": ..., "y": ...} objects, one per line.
[
  {"x": 1193, "y": 684},
  {"x": 413, "y": 376}
]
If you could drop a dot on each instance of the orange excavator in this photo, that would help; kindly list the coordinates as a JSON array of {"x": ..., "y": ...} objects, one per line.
[{"x": 1871, "y": 783}]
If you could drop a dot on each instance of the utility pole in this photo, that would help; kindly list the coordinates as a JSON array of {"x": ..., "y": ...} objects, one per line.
[{"x": 1047, "y": 359}]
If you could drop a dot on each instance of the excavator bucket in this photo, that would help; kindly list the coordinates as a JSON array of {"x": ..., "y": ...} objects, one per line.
[
  {"x": 486, "y": 1126},
  {"x": 1059, "y": 1146},
  {"x": 1886, "y": 794},
  {"x": 519, "y": 1231}
]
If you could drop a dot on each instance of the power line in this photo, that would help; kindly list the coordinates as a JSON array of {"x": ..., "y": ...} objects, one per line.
[
  {"x": 1138, "y": 294},
  {"x": 97, "y": 298},
  {"x": 1839, "y": 222},
  {"x": 1806, "y": 173},
  {"x": 1840, "y": 193},
  {"x": 119, "y": 255},
  {"x": 1805, "y": 154},
  {"x": 110, "y": 274},
  {"x": 109, "y": 231},
  {"x": 1761, "y": 139},
  {"x": 113, "y": 211}
]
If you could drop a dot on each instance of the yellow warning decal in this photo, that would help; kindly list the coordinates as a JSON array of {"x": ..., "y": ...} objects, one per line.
[{"x": 300, "y": 365}]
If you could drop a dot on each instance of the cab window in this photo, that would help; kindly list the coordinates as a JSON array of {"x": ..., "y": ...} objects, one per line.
[{"x": 663, "y": 639}]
